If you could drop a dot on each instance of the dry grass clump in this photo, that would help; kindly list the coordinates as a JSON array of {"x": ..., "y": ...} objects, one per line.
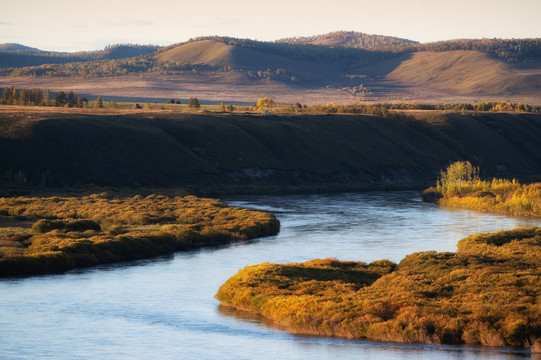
[
  {"x": 486, "y": 293},
  {"x": 100, "y": 228}
]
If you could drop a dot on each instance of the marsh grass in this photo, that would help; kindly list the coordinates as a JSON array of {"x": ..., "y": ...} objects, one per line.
[
  {"x": 87, "y": 230},
  {"x": 460, "y": 186},
  {"x": 486, "y": 293}
]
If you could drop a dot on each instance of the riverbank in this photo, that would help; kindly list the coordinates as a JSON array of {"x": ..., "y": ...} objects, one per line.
[
  {"x": 485, "y": 293},
  {"x": 519, "y": 200},
  {"x": 53, "y": 234},
  {"x": 216, "y": 153}
]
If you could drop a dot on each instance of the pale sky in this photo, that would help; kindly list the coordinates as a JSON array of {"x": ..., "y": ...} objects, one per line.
[{"x": 90, "y": 25}]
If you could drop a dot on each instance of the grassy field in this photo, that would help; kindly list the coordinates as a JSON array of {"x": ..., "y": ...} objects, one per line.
[
  {"x": 486, "y": 293},
  {"x": 55, "y": 233}
]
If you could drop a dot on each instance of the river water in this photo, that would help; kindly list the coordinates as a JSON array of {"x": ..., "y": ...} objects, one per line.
[{"x": 164, "y": 308}]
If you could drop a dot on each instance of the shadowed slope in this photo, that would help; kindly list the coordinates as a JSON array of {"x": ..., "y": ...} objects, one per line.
[{"x": 165, "y": 149}]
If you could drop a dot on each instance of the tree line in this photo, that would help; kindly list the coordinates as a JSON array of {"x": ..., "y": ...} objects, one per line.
[
  {"x": 385, "y": 108},
  {"x": 38, "y": 97}
]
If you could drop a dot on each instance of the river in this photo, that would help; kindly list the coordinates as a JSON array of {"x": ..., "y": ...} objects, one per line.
[{"x": 164, "y": 308}]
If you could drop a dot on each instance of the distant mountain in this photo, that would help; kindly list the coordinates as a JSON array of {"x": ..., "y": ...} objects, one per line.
[
  {"x": 15, "y": 47},
  {"x": 351, "y": 39},
  {"x": 16, "y": 55}
]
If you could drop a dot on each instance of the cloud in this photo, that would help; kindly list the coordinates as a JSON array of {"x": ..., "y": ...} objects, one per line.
[
  {"x": 125, "y": 22},
  {"x": 5, "y": 23}
]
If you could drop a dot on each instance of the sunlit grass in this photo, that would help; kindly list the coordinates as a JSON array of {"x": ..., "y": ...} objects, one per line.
[
  {"x": 486, "y": 293},
  {"x": 87, "y": 230}
]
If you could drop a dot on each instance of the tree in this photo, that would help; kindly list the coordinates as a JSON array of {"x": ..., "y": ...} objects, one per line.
[
  {"x": 194, "y": 103},
  {"x": 23, "y": 97},
  {"x": 5, "y": 96},
  {"x": 98, "y": 104},
  {"x": 61, "y": 99},
  {"x": 222, "y": 107},
  {"x": 456, "y": 176},
  {"x": 72, "y": 99},
  {"x": 48, "y": 101},
  {"x": 265, "y": 103},
  {"x": 36, "y": 97},
  {"x": 13, "y": 95}
]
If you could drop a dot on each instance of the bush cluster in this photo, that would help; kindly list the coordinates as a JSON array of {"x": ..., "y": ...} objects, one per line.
[{"x": 460, "y": 186}]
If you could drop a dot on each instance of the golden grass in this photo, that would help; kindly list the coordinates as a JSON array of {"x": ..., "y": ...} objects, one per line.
[
  {"x": 486, "y": 293},
  {"x": 499, "y": 196},
  {"x": 101, "y": 228}
]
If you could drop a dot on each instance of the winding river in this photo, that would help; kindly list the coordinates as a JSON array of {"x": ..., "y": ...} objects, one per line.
[{"x": 164, "y": 308}]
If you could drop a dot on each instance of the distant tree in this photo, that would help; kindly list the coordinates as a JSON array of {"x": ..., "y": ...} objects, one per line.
[
  {"x": 60, "y": 99},
  {"x": 72, "y": 99},
  {"x": 194, "y": 103},
  {"x": 13, "y": 95},
  {"x": 98, "y": 104},
  {"x": 222, "y": 107},
  {"x": 171, "y": 101},
  {"x": 229, "y": 108},
  {"x": 47, "y": 101},
  {"x": 265, "y": 103},
  {"x": 36, "y": 97},
  {"x": 23, "y": 97},
  {"x": 5, "y": 96}
]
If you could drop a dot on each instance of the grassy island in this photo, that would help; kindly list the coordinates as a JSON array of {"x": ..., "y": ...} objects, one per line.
[
  {"x": 53, "y": 234},
  {"x": 460, "y": 186},
  {"x": 488, "y": 292}
]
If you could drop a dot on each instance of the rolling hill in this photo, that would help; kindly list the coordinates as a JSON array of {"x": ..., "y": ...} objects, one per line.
[
  {"x": 467, "y": 72},
  {"x": 333, "y": 65},
  {"x": 350, "y": 39}
]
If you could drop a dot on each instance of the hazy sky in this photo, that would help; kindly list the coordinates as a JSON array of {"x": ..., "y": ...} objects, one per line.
[{"x": 89, "y": 25}]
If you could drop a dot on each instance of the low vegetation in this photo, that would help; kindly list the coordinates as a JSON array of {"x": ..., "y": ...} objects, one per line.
[
  {"x": 460, "y": 186},
  {"x": 486, "y": 293},
  {"x": 69, "y": 232}
]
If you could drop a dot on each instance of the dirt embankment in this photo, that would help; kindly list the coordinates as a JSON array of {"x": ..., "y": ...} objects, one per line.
[{"x": 219, "y": 150}]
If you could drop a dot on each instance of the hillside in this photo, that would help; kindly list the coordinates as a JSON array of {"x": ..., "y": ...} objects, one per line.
[
  {"x": 16, "y": 55},
  {"x": 246, "y": 56},
  {"x": 467, "y": 72},
  {"x": 294, "y": 70},
  {"x": 350, "y": 39},
  {"x": 308, "y": 151}
]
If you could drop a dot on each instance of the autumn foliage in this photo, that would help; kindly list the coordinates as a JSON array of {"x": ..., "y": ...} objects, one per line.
[
  {"x": 460, "y": 186},
  {"x": 69, "y": 232},
  {"x": 486, "y": 293}
]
